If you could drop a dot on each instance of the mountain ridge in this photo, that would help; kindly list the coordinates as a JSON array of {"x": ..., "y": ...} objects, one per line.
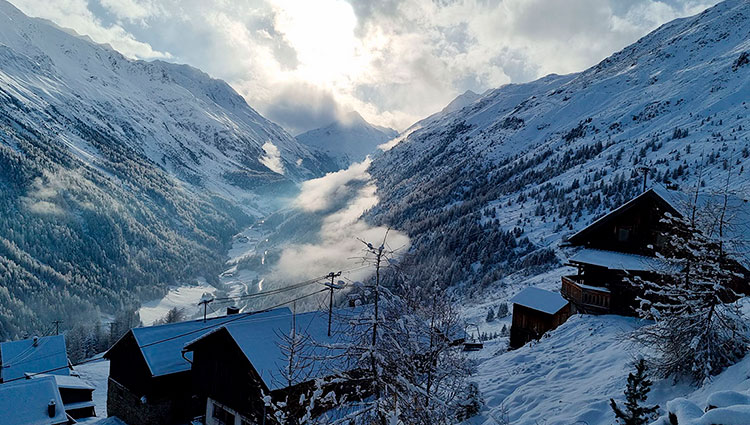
[
  {"x": 526, "y": 164},
  {"x": 120, "y": 177},
  {"x": 348, "y": 140}
]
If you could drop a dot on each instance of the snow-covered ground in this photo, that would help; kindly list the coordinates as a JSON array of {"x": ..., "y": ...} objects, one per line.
[
  {"x": 569, "y": 375},
  {"x": 184, "y": 297},
  {"x": 234, "y": 281},
  {"x": 96, "y": 373}
]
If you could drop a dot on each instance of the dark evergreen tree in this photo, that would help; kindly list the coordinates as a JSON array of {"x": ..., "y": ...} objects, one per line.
[
  {"x": 634, "y": 412},
  {"x": 472, "y": 403}
]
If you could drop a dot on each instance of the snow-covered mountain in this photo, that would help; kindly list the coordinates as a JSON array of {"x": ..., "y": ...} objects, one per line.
[
  {"x": 348, "y": 140},
  {"x": 120, "y": 177},
  {"x": 192, "y": 126},
  {"x": 461, "y": 101},
  {"x": 492, "y": 188}
]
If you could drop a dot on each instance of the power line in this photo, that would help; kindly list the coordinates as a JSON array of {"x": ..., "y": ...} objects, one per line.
[
  {"x": 271, "y": 291},
  {"x": 224, "y": 300},
  {"x": 241, "y": 316}
]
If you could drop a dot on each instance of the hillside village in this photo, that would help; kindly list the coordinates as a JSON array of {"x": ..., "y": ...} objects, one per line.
[
  {"x": 276, "y": 366},
  {"x": 571, "y": 250}
]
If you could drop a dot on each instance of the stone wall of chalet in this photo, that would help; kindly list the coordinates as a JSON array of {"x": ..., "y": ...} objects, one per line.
[{"x": 131, "y": 409}]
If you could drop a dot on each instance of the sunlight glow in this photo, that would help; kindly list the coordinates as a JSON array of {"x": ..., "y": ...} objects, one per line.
[{"x": 322, "y": 34}]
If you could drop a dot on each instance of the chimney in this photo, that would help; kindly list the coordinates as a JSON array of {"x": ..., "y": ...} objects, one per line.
[
  {"x": 232, "y": 310},
  {"x": 51, "y": 408}
]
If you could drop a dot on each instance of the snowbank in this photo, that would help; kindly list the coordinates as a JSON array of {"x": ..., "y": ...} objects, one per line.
[
  {"x": 564, "y": 378},
  {"x": 569, "y": 376}
]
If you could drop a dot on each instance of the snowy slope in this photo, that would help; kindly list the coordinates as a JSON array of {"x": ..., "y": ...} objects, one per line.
[
  {"x": 461, "y": 101},
  {"x": 120, "y": 178},
  {"x": 348, "y": 140},
  {"x": 193, "y": 126},
  {"x": 569, "y": 376},
  {"x": 544, "y": 158}
]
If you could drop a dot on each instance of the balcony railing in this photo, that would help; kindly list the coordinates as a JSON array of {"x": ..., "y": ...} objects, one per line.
[{"x": 588, "y": 299}]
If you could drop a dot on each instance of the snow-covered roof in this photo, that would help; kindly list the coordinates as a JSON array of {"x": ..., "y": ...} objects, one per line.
[
  {"x": 539, "y": 299},
  {"x": 619, "y": 261},
  {"x": 67, "y": 381},
  {"x": 735, "y": 233},
  {"x": 26, "y": 402},
  {"x": 20, "y": 357},
  {"x": 79, "y": 405},
  {"x": 261, "y": 340},
  {"x": 162, "y": 345}
]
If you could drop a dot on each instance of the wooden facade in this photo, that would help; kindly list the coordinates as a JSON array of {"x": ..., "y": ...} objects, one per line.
[
  {"x": 136, "y": 396},
  {"x": 78, "y": 402},
  {"x": 530, "y": 324},
  {"x": 535, "y": 312},
  {"x": 633, "y": 228},
  {"x": 233, "y": 388},
  {"x": 224, "y": 374}
]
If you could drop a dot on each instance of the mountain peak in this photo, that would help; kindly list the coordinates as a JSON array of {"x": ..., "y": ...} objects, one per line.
[{"x": 348, "y": 139}]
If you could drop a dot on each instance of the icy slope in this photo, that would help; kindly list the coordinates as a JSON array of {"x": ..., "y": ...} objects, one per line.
[
  {"x": 544, "y": 158},
  {"x": 349, "y": 140}
]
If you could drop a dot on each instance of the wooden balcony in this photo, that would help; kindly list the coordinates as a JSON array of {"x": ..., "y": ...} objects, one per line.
[{"x": 586, "y": 299}]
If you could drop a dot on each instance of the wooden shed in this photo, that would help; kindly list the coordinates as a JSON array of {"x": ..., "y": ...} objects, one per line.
[
  {"x": 77, "y": 395},
  {"x": 535, "y": 312}
]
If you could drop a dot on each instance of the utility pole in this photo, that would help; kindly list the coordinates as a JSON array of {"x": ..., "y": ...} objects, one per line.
[
  {"x": 331, "y": 286},
  {"x": 205, "y": 300},
  {"x": 57, "y": 326}
]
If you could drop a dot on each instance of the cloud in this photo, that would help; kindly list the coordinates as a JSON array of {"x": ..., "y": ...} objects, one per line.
[
  {"x": 76, "y": 15},
  {"x": 133, "y": 10},
  {"x": 340, "y": 198},
  {"x": 272, "y": 158},
  {"x": 301, "y": 106},
  {"x": 303, "y": 63},
  {"x": 334, "y": 189}
]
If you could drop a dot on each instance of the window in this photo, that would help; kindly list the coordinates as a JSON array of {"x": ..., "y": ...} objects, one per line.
[
  {"x": 623, "y": 234},
  {"x": 222, "y": 415}
]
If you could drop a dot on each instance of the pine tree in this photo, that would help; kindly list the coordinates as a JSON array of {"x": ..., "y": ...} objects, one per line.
[
  {"x": 502, "y": 310},
  {"x": 490, "y": 315},
  {"x": 636, "y": 393},
  {"x": 697, "y": 332},
  {"x": 472, "y": 403}
]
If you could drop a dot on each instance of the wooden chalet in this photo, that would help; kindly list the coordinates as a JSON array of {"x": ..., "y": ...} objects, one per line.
[
  {"x": 535, "y": 312},
  {"x": 77, "y": 395},
  {"x": 34, "y": 355},
  {"x": 624, "y": 244},
  {"x": 150, "y": 381},
  {"x": 237, "y": 364}
]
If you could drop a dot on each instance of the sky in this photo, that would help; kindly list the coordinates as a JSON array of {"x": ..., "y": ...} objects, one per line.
[{"x": 306, "y": 63}]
